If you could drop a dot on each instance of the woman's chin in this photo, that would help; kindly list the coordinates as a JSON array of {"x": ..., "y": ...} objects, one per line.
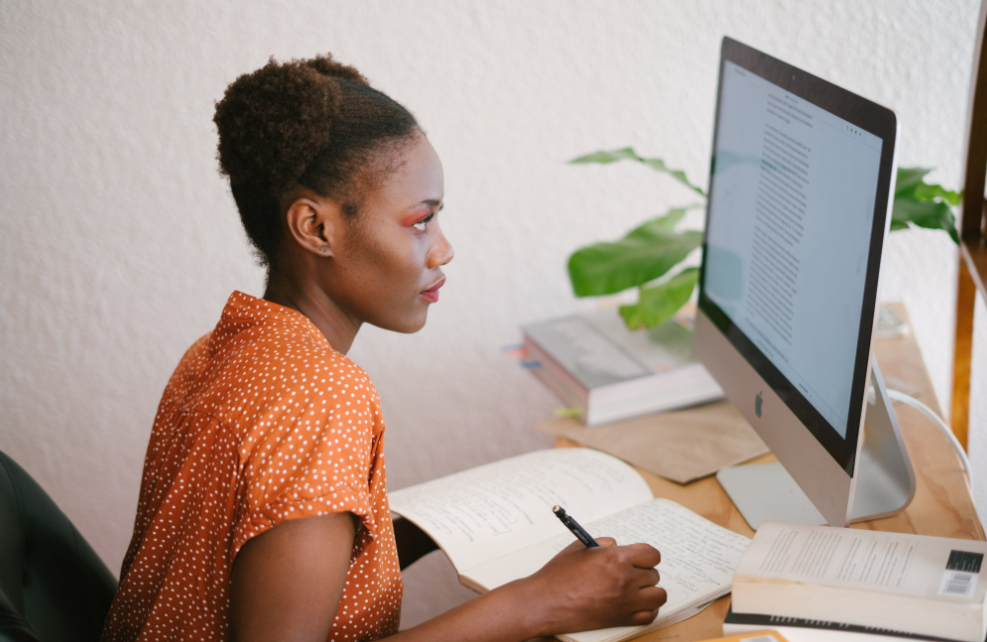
[{"x": 407, "y": 325}]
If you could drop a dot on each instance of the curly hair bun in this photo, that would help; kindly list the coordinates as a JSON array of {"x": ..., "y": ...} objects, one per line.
[
  {"x": 326, "y": 66},
  {"x": 312, "y": 123},
  {"x": 273, "y": 122}
]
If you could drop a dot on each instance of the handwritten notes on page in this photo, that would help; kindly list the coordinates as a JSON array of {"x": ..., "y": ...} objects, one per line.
[{"x": 697, "y": 556}]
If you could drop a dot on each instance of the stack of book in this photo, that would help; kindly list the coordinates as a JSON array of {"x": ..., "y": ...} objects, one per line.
[
  {"x": 798, "y": 579},
  {"x": 608, "y": 373}
]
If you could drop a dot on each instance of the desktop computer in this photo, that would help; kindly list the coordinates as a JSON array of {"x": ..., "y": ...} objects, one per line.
[{"x": 801, "y": 179}]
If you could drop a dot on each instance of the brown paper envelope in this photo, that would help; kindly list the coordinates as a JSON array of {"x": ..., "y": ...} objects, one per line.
[{"x": 681, "y": 446}]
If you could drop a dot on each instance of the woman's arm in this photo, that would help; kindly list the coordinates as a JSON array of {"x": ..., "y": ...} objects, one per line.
[{"x": 287, "y": 583}]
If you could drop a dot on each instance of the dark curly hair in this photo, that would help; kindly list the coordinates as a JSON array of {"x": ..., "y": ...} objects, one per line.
[{"x": 306, "y": 123}]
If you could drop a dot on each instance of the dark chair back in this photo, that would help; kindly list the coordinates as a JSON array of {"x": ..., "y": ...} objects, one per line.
[{"x": 53, "y": 586}]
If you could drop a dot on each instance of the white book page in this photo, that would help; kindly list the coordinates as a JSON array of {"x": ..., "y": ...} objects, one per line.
[
  {"x": 484, "y": 513},
  {"x": 697, "y": 556},
  {"x": 925, "y": 567}
]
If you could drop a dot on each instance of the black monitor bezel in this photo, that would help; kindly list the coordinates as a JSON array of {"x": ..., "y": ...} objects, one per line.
[{"x": 869, "y": 117}]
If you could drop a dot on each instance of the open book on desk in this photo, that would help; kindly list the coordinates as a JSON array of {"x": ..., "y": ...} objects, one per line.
[{"x": 495, "y": 523}]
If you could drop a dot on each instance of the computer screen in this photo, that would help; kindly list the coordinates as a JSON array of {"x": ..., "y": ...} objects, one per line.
[
  {"x": 794, "y": 231},
  {"x": 786, "y": 170}
]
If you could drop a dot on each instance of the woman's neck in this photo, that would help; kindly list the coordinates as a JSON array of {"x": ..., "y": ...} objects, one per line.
[{"x": 303, "y": 296}]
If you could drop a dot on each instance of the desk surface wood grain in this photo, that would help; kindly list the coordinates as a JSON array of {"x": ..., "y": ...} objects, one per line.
[{"x": 942, "y": 506}]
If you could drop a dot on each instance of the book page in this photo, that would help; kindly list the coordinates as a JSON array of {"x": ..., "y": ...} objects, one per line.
[
  {"x": 484, "y": 513},
  {"x": 926, "y": 567},
  {"x": 697, "y": 556}
]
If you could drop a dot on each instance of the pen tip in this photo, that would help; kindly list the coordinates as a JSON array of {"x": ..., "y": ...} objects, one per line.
[{"x": 556, "y": 508}]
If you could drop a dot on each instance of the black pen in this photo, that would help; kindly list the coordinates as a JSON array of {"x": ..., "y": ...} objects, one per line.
[{"x": 576, "y": 529}]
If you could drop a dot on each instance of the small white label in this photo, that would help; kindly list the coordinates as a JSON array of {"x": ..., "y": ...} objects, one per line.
[
  {"x": 760, "y": 638},
  {"x": 958, "y": 583}
]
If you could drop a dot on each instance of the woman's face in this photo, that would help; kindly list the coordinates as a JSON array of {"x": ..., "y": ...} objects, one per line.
[{"x": 387, "y": 263}]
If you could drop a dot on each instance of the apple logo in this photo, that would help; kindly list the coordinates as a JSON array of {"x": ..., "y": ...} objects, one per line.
[{"x": 757, "y": 405}]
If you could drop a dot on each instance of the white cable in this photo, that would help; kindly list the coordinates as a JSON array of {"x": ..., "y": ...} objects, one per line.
[{"x": 941, "y": 425}]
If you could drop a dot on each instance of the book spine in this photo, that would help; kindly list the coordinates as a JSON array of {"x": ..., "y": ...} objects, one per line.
[
  {"x": 860, "y": 607},
  {"x": 556, "y": 379},
  {"x": 738, "y": 624}
]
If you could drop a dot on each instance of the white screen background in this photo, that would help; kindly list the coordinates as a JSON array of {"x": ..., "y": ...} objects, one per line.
[{"x": 789, "y": 233}]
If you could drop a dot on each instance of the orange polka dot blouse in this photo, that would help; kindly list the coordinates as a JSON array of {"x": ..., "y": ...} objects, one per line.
[{"x": 261, "y": 422}]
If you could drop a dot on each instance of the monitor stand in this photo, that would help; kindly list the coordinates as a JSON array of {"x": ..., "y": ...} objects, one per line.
[{"x": 885, "y": 483}]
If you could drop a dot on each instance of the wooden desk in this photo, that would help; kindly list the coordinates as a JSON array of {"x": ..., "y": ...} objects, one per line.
[{"x": 942, "y": 506}]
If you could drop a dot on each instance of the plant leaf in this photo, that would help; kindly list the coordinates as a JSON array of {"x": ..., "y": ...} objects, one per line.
[
  {"x": 934, "y": 215},
  {"x": 659, "y": 303},
  {"x": 666, "y": 221},
  {"x": 923, "y": 204},
  {"x": 646, "y": 253},
  {"x": 930, "y": 192},
  {"x": 911, "y": 182},
  {"x": 628, "y": 153},
  {"x": 604, "y": 158},
  {"x": 908, "y": 179}
]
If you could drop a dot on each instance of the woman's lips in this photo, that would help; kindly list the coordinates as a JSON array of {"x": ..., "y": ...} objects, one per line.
[{"x": 432, "y": 294}]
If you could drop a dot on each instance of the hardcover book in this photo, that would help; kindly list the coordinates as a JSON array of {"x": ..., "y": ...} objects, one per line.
[
  {"x": 931, "y": 586},
  {"x": 797, "y": 629},
  {"x": 594, "y": 363}
]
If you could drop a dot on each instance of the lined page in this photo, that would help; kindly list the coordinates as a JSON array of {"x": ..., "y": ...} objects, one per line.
[
  {"x": 697, "y": 556},
  {"x": 484, "y": 513}
]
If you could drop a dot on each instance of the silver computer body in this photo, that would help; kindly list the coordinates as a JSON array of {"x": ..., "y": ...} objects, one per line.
[{"x": 787, "y": 335}]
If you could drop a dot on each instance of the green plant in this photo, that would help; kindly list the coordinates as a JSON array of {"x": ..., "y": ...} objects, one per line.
[{"x": 646, "y": 255}]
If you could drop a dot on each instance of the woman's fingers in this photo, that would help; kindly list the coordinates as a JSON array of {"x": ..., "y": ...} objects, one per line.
[
  {"x": 652, "y": 597},
  {"x": 607, "y": 586},
  {"x": 643, "y": 617},
  {"x": 646, "y": 605},
  {"x": 643, "y": 555},
  {"x": 646, "y": 577}
]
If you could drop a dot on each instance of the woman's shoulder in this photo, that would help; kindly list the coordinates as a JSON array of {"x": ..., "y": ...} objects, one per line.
[
  {"x": 298, "y": 357},
  {"x": 293, "y": 378}
]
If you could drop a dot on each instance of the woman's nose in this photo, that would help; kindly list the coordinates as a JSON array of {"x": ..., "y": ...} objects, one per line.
[{"x": 440, "y": 253}]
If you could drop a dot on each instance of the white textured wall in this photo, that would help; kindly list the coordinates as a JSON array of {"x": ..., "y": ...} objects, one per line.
[{"x": 120, "y": 242}]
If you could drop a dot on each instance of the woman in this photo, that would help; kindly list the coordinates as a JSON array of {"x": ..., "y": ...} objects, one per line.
[{"x": 263, "y": 511}]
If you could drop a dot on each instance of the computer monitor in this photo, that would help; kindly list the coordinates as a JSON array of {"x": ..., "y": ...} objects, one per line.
[{"x": 799, "y": 202}]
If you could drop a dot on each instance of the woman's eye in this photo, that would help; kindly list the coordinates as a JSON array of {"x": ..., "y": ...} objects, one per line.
[{"x": 423, "y": 224}]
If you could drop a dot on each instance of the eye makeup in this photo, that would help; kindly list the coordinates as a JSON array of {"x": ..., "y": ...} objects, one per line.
[{"x": 416, "y": 217}]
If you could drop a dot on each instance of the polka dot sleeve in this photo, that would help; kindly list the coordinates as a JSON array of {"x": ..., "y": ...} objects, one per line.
[{"x": 305, "y": 463}]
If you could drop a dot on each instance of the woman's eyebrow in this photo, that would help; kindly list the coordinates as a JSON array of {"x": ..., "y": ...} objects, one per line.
[{"x": 429, "y": 203}]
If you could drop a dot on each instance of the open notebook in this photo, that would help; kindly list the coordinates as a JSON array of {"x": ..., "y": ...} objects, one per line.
[{"x": 495, "y": 523}]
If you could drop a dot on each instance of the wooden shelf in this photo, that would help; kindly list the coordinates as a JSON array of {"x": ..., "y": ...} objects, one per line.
[{"x": 974, "y": 253}]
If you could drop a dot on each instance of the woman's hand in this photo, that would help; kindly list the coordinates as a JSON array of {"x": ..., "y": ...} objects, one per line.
[
  {"x": 591, "y": 588},
  {"x": 578, "y": 589}
]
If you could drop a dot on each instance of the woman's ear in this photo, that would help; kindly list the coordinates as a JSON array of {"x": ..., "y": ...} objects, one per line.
[{"x": 314, "y": 223}]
